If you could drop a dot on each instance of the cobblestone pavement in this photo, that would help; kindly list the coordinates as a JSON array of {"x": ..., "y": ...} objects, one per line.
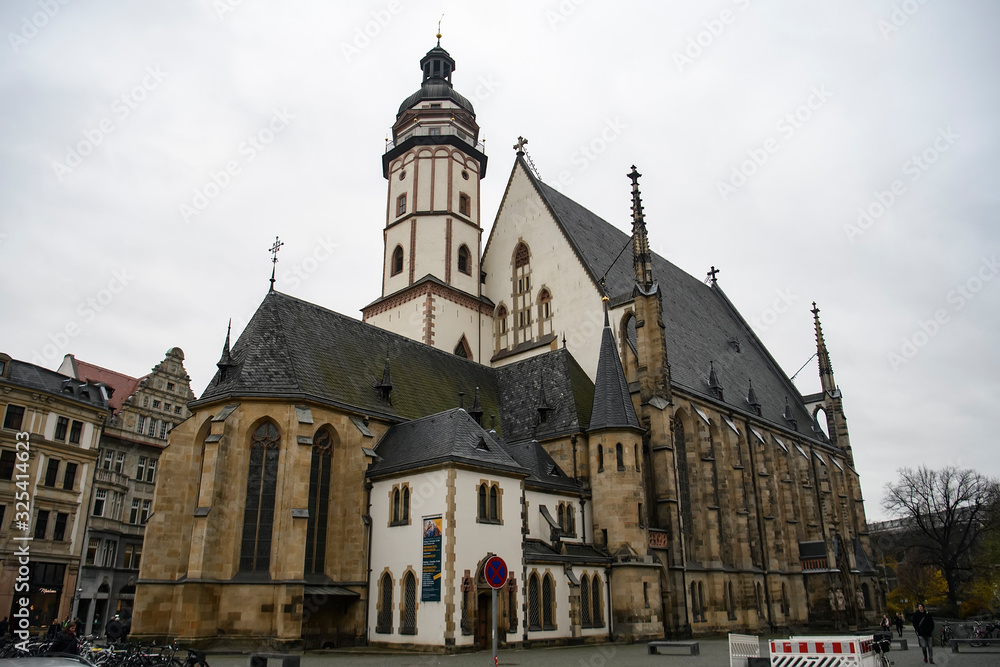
[{"x": 714, "y": 653}]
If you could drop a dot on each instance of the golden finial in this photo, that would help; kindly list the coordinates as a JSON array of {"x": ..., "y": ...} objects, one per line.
[{"x": 439, "y": 30}]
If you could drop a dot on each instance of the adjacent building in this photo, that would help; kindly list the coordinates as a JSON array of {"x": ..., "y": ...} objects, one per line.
[
  {"x": 142, "y": 411},
  {"x": 49, "y": 444}
]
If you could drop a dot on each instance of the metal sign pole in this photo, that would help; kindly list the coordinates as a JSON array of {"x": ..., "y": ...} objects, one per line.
[{"x": 495, "y": 627}]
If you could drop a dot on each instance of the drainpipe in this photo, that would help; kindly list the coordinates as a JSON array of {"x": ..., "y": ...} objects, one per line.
[{"x": 367, "y": 521}]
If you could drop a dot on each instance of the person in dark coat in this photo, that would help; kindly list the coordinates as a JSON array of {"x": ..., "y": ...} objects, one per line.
[
  {"x": 66, "y": 641},
  {"x": 113, "y": 631},
  {"x": 899, "y": 623},
  {"x": 54, "y": 629},
  {"x": 924, "y": 625}
]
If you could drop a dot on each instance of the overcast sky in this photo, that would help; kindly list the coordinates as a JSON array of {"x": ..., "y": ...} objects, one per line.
[{"x": 762, "y": 130}]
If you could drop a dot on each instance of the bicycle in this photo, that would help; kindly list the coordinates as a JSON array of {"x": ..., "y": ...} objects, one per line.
[
  {"x": 982, "y": 634},
  {"x": 947, "y": 633},
  {"x": 882, "y": 645}
]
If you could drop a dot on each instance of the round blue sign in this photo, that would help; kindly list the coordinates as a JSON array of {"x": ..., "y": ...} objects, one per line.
[{"x": 495, "y": 572}]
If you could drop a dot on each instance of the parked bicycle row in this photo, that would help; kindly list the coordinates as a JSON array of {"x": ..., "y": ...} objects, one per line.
[{"x": 122, "y": 654}]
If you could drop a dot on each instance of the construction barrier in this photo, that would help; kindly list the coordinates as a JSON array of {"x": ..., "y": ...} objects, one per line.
[
  {"x": 741, "y": 648},
  {"x": 823, "y": 652}
]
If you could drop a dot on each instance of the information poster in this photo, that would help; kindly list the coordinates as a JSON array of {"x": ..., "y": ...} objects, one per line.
[{"x": 430, "y": 583}]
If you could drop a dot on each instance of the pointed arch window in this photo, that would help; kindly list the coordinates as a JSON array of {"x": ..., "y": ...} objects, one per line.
[
  {"x": 462, "y": 349},
  {"x": 483, "y": 516},
  {"x": 501, "y": 328},
  {"x": 695, "y": 609},
  {"x": 383, "y": 624},
  {"x": 319, "y": 502},
  {"x": 620, "y": 456},
  {"x": 464, "y": 260},
  {"x": 521, "y": 280},
  {"x": 397, "y": 260},
  {"x": 548, "y": 603},
  {"x": 680, "y": 451},
  {"x": 406, "y": 504},
  {"x": 596, "y": 608},
  {"x": 258, "y": 511},
  {"x": 494, "y": 514},
  {"x": 408, "y": 623},
  {"x": 400, "y": 501},
  {"x": 544, "y": 312},
  {"x": 395, "y": 505},
  {"x": 600, "y": 458},
  {"x": 731, "y": 605},
  {"x": 585, "y": 601},
  {"x": 534, "y": 606}
]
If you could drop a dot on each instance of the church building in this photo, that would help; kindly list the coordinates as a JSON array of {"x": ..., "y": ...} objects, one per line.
[{"x": 557, "y": 395}]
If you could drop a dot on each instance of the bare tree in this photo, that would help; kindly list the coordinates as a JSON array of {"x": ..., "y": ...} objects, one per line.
[{"x": 947, "y": 512}]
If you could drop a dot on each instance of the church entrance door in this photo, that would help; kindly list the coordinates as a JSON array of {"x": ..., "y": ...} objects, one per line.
[{"x": 484, "y": 620}]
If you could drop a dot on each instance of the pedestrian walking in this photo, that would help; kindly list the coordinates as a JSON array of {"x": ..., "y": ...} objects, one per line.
[
  {"x": 899, "y": 623},
  {"x": 885, "y": 624},
  {"x": 924, "y": 625}
]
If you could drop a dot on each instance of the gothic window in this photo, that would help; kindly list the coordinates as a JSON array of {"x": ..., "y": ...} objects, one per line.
[
  {"x": 462, "y": 349},
  {"x": 383, "y": 623},
  {"x": 635, "y": 454},
  {"x": 464, "y": 260},
  {"x": 585, "y": 601},
  {"x": 501, "y": 328},
  {"x": 406, "y": 504},
  {"x": 534, "y": 616},
  {"x": 562, "y": 517},
  {"x": 548, "y": 603},
  {"x": 620, "y": 456},
  {"x": 760, "y": 599},
  {"x": 319, "y": 502},
  {"x": 463, "y": 204},
  {"x": 680, "y": 451},
  {"x": 600, "y": 458},
  {"x": 408, "y": 624},
  {"x": 494, "y": 515},
  {"x": 258, "y": 512},
  {"x": 596, "y": 608},
  {"x": 397, "y": 260},
  {"x": 395, "y": 506},
  {"x": 695, "y": 611},
  {"x": 400, "y": 204},
  {"x": 522, "y": 292},
  {"x": 570, "y": 520},
  {"x": 544, "y": 312},
  {"x": 731, "y": 604},
  {"x": 483, "y": 516},
  {"x": 701, "y": 600}
]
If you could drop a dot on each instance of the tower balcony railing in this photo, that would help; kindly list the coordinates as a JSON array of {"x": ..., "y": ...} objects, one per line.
[{"x": 435, "y": 131}]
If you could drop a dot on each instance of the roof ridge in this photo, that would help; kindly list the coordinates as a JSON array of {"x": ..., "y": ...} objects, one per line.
[{"x": 80, "y": 362}]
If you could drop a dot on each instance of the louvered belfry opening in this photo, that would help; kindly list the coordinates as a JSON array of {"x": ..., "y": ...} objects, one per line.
[{"x": 258, "y": 513}]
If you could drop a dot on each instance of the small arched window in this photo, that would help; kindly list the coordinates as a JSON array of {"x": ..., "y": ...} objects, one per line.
[
  {"x": 548, "y": 603},
  {"x": 408, "y": 623},
  {"x": 406, "y": 504},
  {"x": 585, "y": 601},
  {"x": 483, "y": 516},
  {"x": 383, "y": 623},
  {"x": 534, "y": 615},
  {"x": 635, "y": 453},
  {"x": 620, "y": 456},
  {"x": 596, "y": 608},
  {"x": 397, "y": 260},
  {"x": 544, "y": 312},
  {"x": 395, "y": 505},
  {"x": 695, "y": 611},
  {"x": 464, "y": 260},
  {"x": 570, "y": 520},
  {"x": 494, "y": 509},
  {"x": 600, "y": 458}
]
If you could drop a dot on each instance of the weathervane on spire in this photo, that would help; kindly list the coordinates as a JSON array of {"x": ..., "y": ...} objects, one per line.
[
  {"x": 274, "y": 258},
  {"x": 439, "y": 29},
  {"x": 711, "y": 275},
  {"x": 519, "y": 145}
]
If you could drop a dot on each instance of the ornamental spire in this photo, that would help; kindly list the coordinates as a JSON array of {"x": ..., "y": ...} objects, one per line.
[
  {"x": 641, "y": 257},
  {"x": 825, "y": 367}
]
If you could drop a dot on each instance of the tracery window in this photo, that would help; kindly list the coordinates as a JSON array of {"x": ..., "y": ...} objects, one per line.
[
  {"x": 408, "y": 623},
  {"x": 522, "y": 292},
  {"x": 534, "y": 612},
  {"x": 258, "y": 512},
  {"x": 383, "y": 623},
  {"x": 548, "y": 603},
  {"x": 319, "y": 502}
]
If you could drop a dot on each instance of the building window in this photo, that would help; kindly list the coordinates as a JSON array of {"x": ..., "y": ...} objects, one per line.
[
  {"x": 464, "y": 260},
  {"x": 408, "y": 623},
  {"x": 635, "y": 454},
  {"x": 585, "y": 601},
  {"x": 92, "y": 551},
  {"x": 548, "y": 603},
  {"x": 534, "y": 615},
  {"x": 100, "y": 498},
  {"x": 51, "y": 472},
  {"x": 75, "y": 431},
  {"x": 596, "y": 608},
  {"x": 140, "y": 424},
  {"x": 383, "y": 624},
  {"x": 62, "y": 426},
  {"x": 731, "y": 603},
  {"x": 544, "y": 312},
  {"x": 140, "y": 469},
  {"x": 163, "y": 430},
  {"x": 59, "y": 532},
  {"x": 151, "y": 471},
  {"x": 319, "y": 502},
  {"x": 156, "y": 404},
  {"x": 133, "y": 516},
  {"x": 117, "y": 501},
  {"x": 620, "y": 456},
  {"x": 501, "y": 328},
  {"x": 69, "y": 476},
  {"x": 133, "y": 552},
  {"x": 489, "y": 503},
  {"x": 108, "y": 458},
  {"x": 400, "y": 505},
  {"x": 151, "y": 432},
  {"x": 108, "y": 553},
  {"x": 522, "y": 291},
  {"x": 258, "y": 512},
  {"x": 170, "y": 386},
  {"x": 494, "y": 516},
  {"x": 147, "y": 505},
  {"x": 177, "y": 409},
  {"x": 119, "y": 462},
  {"x": 683, "y": 484},
  {"x": 463, "y": 204},
  {"x": 600, "y": 458},
  {"x": 41, "y": 524},
  {"x": 7, "y": 459},
  {"x": 400, "y": 204},
  {"x": 434, "y": 131},
  {"x": 406, "y": 504},
  {"x": 397, "y": 260},
  {"x": 13, "y": 418}
]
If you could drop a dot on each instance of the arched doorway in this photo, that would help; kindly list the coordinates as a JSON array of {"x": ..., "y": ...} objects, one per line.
[{"x": 483, "y": 614}]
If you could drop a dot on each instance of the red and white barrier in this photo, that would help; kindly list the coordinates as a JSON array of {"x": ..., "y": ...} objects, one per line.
[{"x": 823, "y": 652}]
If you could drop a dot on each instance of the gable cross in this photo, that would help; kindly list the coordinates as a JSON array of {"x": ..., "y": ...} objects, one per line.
[{"x": 274, "y": 258}]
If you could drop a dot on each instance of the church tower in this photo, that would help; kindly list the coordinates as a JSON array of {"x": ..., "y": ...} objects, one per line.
[{"x": 431, "y": 285}]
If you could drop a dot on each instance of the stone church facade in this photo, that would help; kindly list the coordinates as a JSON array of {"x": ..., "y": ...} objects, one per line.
[{"x": 559, "y": 396}]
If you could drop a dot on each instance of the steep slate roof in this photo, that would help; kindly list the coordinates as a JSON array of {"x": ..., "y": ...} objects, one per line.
[
  {"x": 298, "y": 350},
  {"x": 35, "y": 377},
  {"x": 612, "y": 401},
  {"x": 699, "y": 319},
  {"x": 543, "y": 471},
  {"x": 567, "y": 389},
  {"x": 536, "y": 551},
  {"x": 447, "y": 437}
]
